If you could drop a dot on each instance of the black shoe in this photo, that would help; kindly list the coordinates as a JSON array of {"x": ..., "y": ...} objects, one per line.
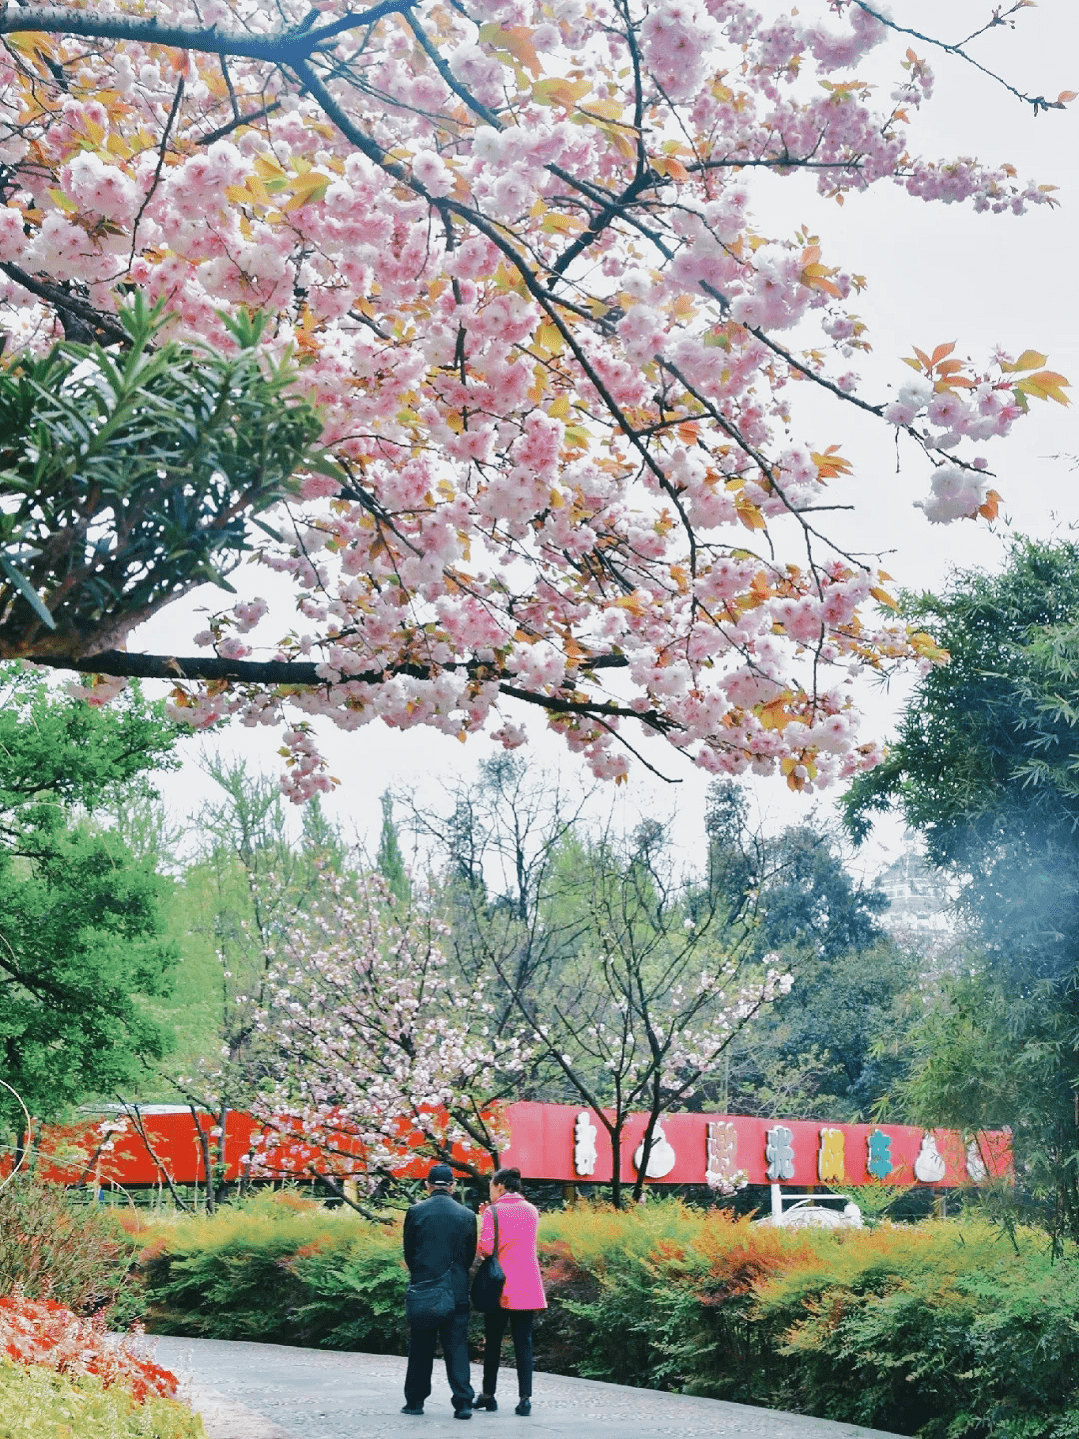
[
  {"x": 462, "y": 1413},
  {"x": 486, "y": 1401},
  {"x": 412, "y": 1409},
  {"x": 524, "y": 1408}
]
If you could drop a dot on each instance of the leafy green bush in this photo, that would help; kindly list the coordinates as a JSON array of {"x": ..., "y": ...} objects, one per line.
[
  {"x": 663, "y": 1295},
  {"x": 36, "y": 1403},
  {"x": 76, "y": 1256},
  {"x": 280, "y": 1270},
  {"x": 944, "y": 1330}
]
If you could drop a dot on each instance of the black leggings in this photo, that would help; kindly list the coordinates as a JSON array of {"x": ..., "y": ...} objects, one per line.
[{"x": 494, "y": 1327}]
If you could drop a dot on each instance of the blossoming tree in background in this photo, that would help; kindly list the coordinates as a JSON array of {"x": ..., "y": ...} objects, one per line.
[
  {"x": 510, "y": 247},
  {"x": 627, "y": 980},
  {"x": 382, "y": 1054}
]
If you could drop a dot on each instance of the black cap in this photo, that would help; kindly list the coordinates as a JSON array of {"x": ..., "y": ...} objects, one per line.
[{"x": 440, "y": 1174}]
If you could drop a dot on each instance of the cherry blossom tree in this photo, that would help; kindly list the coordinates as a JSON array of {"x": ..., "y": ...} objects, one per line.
[
  {"x": 647, "y": 1005},
  {"x": 383, "y": 1054},
  {"x": 510, "y": 247},
  {"x": 627, "y": 980}
]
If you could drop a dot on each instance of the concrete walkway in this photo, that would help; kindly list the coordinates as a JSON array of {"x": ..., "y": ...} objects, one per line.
[{"x": 269, "y": 1391}]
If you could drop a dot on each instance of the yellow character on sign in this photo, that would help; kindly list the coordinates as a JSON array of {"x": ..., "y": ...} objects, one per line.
[{"x": 830, "y": 1164}]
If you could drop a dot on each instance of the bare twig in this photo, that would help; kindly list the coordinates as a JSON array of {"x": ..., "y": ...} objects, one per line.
[{"x": 1039, "y": 102}]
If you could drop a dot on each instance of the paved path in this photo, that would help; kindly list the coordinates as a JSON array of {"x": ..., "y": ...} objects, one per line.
[{"x": 270, "y": 1391}]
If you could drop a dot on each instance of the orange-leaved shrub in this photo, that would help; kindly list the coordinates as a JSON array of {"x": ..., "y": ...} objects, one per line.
[
  {"x": 62, "y": 1377},
  {"x": 636, "y": 1295},
  {"x": 39, "y": 1332}
]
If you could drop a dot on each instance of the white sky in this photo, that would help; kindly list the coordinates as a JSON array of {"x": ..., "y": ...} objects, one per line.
[{"x": 936, "y": 273}]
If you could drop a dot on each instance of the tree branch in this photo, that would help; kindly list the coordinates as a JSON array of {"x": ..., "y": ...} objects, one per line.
[
  {"x": 161, "y": 152},
  {"x": 283, "y": 48},
  {"x": 240, "y": 120},
  {"x": 288, "y": 672},
  {"x": 1039, "y": 102},
  {"x": 61, "y": 300}
]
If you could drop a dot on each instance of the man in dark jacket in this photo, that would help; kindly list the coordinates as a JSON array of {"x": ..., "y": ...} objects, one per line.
[{"x": 440, "y": 1237}]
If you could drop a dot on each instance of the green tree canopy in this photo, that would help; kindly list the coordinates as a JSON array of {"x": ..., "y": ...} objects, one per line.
[
  {"x": 81, "y": 947},
  {"x": 986, "y": 768},
  {"x": 129, "y": 477},
  {"x": 822, "y": 1049}
]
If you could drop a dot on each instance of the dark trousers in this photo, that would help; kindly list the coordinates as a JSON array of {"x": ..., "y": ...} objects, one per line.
[
  {"x": 421, "y": 1357},
  {"x": 494, "y": 1327}
]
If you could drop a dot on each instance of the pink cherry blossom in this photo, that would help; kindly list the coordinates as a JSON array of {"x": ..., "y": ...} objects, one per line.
[{"x": 565, "y": 464}]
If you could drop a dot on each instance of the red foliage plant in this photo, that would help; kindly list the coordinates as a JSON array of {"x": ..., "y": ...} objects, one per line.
[
  {"x": 738, "y": 1256},
  {"x": 40, "y": 1332}
]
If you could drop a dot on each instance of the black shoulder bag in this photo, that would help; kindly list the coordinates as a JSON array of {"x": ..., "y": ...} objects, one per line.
[
  {"x": 490, "y": 1278},
  {"x": 430, "y": 1302}
]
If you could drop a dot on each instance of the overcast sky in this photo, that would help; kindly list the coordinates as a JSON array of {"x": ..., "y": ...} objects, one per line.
[{"x": 936, "y": 274}]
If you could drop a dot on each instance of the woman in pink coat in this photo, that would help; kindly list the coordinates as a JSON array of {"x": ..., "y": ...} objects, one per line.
[{"x": 523, "y": 1293}]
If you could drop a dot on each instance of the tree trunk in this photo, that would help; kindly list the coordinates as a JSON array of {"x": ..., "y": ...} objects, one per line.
[
  {"x": 646, "y": 1148},
  {"x": 222, "y": 1185},
  {"x": 203, "y": 1139},
  {"x": 132, "y": 1111},
  {"x": 616, "y": 1161}
]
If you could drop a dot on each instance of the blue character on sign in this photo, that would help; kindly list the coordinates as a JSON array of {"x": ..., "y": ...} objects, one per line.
[
  {"x": 879, "y": 1160},
  {"x": 779, "y": 1152}
]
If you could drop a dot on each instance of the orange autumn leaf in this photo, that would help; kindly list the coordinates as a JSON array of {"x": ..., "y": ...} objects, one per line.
[
  {"x": 830, "y": 463},
  {"x": 988, "y": 509}
]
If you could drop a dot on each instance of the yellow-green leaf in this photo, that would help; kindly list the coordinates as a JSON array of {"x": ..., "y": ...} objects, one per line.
[{"x": 1028, "y": 360}]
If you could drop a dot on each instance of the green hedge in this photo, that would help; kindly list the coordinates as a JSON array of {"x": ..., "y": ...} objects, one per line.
[
  {"x": 948, "y": 1330},
  {"x": 282, "y": 1271}
]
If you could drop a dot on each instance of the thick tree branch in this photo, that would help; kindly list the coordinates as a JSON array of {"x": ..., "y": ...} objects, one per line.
[
  {"x": 283, "y": 48},
  {"x": 95, "y": 320},
  {"x": 304, "y": 672}
]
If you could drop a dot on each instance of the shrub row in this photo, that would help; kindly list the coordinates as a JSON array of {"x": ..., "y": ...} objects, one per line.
[
  {"x": 941, "y": 1330},
  {"x": 947, "y": 1330}
]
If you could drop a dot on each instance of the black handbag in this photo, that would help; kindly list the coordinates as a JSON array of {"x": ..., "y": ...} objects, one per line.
[
  {"x": 490, "y": 1278},
  {"x": 430, "y": 1302}
]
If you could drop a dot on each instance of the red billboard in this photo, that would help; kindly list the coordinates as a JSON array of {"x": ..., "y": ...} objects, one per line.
[{"x": 549, "y": 1141}]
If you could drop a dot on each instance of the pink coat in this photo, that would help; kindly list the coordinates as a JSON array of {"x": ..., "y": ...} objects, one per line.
[{"x": 517, "y": 1224}]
